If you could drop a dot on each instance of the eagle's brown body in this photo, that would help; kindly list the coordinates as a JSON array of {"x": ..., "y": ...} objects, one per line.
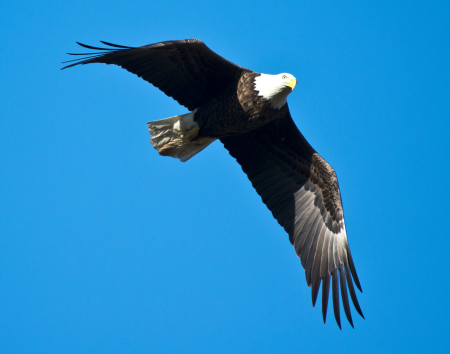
[{"x": 237, "y": 110}]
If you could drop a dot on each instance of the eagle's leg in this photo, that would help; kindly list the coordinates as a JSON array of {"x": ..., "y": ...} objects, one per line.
[{"x": 201, "y": 141}]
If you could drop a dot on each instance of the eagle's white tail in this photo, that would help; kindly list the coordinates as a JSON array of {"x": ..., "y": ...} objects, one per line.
[{"x": 173, "y": 137}]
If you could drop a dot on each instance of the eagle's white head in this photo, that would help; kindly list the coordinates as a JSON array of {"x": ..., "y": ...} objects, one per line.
[{"x": 275, "y": 88}]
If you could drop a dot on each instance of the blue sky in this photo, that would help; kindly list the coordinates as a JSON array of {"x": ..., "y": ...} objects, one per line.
[{"x": 107, "y": 247}]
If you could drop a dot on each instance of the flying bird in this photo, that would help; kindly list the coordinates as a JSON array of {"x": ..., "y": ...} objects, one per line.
[{"x": 247, "y": 111}]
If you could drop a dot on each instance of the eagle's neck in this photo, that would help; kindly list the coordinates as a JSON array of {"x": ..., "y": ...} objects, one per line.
[{"x": 272, "y": 89}]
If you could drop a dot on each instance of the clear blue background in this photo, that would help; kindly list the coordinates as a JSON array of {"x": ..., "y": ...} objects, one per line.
[{"x": 106, "y": 247}]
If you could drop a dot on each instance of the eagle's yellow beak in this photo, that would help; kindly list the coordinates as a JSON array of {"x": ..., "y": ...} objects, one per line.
[{"x": 292, "y": 83}]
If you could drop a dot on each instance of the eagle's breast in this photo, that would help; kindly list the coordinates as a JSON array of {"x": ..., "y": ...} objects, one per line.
[{"x": 258, "y": 108}]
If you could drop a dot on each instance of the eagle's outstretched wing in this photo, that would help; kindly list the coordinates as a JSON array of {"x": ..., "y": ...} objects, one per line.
[
  {"x": 301, "y": 190},
  {"x": 186, "y": 70}
]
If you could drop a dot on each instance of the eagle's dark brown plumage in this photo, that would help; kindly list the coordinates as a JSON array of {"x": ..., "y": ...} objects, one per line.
[{"x": 297, "y": 185}]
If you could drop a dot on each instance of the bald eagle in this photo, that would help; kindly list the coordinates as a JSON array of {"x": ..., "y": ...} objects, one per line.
[{"x": 247, "y": 111}]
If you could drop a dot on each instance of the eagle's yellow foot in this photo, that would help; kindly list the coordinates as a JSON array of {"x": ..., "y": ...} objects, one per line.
[
  {"x": 201, "y": 141},
  {"x": 191, "y": 134}
]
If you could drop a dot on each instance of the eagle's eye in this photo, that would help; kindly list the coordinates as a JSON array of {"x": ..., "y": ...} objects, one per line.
[{"x": 284, "y": 77}]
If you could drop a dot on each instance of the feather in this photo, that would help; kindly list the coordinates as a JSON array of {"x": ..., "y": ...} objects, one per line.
[
  {"x": 116, "y": 45},
  {"x": 315, "y": 271},
  {"x": 313, "y": 250},
  {"x": 352, "y": 289},
  {"x": 335, "y": 294},
  {"x": 345, "y": 295},
  {"x": 95, "y": 48},
  {"x": 325, "y": 292},
  {"x": 353, "y": 269}
]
